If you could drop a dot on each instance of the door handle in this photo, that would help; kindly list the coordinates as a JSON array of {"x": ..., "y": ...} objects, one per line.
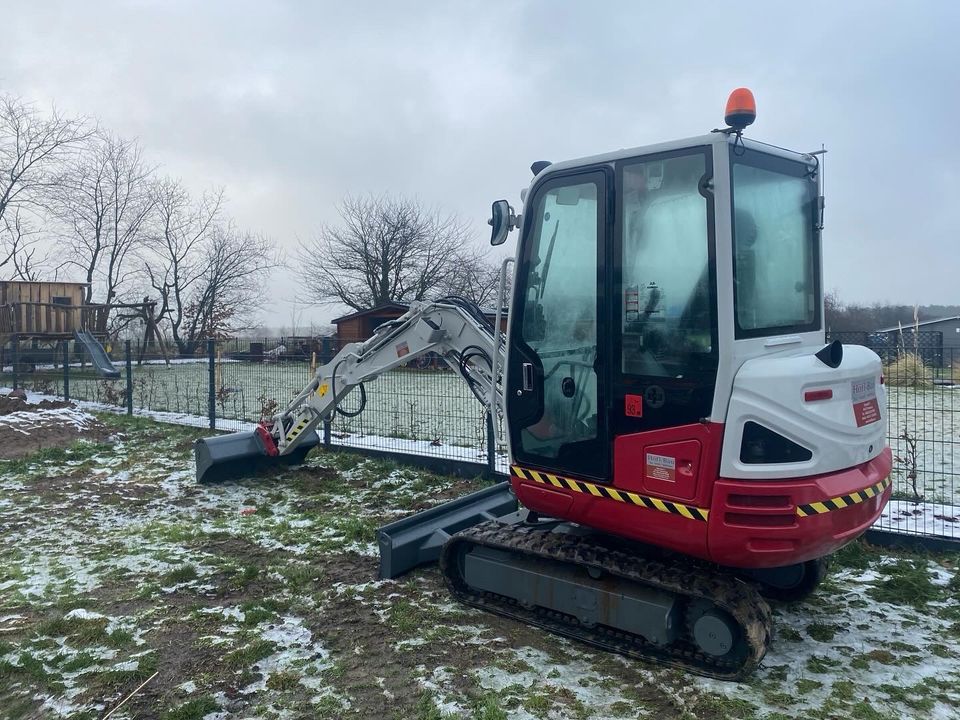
[{"x": 527, "y": 377}]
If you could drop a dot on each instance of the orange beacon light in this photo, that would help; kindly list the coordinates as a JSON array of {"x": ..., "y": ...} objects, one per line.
[{"x": 741, "y": 109}]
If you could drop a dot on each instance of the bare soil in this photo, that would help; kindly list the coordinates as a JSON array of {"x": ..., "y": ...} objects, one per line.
[
  {"x": 10, "y": 405},
  {"x": 42, "y": 430}
]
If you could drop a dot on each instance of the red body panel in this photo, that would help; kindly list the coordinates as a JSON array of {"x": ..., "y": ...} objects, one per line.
[
  {"x": 696, "y": 449},
  {"x": 753, "y": 536},
  {"x": 737, "y": 523}
]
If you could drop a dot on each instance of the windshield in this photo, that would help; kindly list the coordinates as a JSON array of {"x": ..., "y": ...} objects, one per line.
[
  {"x": 775, "y": 245},
  {"x": 667, "y": 319}
]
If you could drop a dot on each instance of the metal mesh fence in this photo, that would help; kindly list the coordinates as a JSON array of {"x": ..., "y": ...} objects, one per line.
[
  {"x": 422, "y": 409},
  {"x": 922, "y": 378},
  {"x": 426, "y": 410}
]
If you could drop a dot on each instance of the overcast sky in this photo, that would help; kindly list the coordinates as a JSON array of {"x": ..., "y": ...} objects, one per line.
[{"x": 292, "y": 105}]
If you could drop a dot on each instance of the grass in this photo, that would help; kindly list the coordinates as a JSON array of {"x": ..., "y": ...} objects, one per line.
[
  {"x": 192, "y": 709},
  {"x": 183, "y": 574},
  {"x": 247, "y": 655},
  {"x": 537, "y": 704},
  {"x": 426, "y": 709},
  {"x": 82, "y": 450},
  {"x": 80, "y": 661},
  {"x": 404, "y": 617},
  {"x": 359, "y": 529},
  {"x": 83, "y": 631},
  {"x": 862, "y": 661},
  {"x": 856, "y": 555},
  {"x": 721, "y": 706},
  {"x": 821, "y": 665},
  {"x": 906, "y": 582},
  {"x": 27, "y": 666},
  {"x": 823, "y": 632},
  {"x": 283, "y": 680},
  {"x": 256, "y": 615},
  {"x": 299, "y": 575},
  {"x": 367, "y": 639},
  {"x": 146, "y": 666},
  {"x": 488, "y": 708}
]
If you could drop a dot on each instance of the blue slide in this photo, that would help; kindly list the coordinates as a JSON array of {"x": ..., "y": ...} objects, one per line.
[{"x": 98, "y": 356}]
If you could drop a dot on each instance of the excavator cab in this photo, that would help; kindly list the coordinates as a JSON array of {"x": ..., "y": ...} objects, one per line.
[{"x": 662, "y": 353}]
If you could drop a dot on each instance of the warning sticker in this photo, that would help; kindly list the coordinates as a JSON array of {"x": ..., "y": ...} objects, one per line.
[
  {"x": 323, "y": 389},
  {"x": 633, "y": 405},
  {"x": 403, "y": 349},
  {"x": 661, "y": 467},
  {"x": 863, "y": 394}
]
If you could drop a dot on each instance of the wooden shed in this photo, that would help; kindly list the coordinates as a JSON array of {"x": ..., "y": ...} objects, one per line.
[{"x": 360, "y": 325}]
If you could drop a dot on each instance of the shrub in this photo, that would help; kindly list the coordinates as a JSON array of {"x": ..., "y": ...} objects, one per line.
[{"x": 908, "y": 370}]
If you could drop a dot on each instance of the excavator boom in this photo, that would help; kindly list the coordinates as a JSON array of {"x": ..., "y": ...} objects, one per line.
[{"x": 453, "y": 328}]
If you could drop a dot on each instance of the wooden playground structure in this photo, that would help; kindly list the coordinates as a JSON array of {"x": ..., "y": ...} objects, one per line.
[{"x": 37, "y": 319}]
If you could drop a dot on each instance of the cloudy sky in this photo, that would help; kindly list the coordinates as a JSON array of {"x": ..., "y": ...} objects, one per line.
[{"x": 292, "y": 105}]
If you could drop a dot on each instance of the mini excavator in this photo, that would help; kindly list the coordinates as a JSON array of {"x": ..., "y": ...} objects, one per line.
[{"x": 683, "y": 443}]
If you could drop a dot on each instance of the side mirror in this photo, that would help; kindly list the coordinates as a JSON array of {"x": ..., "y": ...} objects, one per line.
[{"x": 502, "y": 221}]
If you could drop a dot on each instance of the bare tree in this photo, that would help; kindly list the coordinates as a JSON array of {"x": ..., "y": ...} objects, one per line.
[
  {"x": 132, "y": 201},
  {"x": 209, "y": 275},
  {"x": 385, "y": 249},
  {"x": 32, "y": 148},
  {"x": 18, "y": 247},
  {"x": 476, "y": 276},
  {"x": 174, "y": 263},
  {"x": 104, "y": 204},
  {"x": 230, "y": 290}
]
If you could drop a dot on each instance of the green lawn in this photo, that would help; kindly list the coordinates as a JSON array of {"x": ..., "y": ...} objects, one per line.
[{"x": 259, "y": 599}]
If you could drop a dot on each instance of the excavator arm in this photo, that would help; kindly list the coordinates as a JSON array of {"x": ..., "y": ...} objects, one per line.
[{"x": 453, "y": 328}]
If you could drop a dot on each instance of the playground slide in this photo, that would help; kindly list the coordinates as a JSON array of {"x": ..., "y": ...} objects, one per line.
[{"x": 98, "y": 356}]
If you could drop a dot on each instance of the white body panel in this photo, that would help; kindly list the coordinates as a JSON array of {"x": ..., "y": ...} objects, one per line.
[{"x": 770, "y": 391}]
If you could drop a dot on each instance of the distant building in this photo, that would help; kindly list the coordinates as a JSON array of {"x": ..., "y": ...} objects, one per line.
[
  {"x": 937, "y": 341},
  {"x": 360, "y": 325}
]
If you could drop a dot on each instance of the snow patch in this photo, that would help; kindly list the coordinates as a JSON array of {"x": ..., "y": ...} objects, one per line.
[{"x": 924, "y": 518}]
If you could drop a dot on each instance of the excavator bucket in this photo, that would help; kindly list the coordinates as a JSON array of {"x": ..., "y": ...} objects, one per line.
[{"x": 227, "y": 457}]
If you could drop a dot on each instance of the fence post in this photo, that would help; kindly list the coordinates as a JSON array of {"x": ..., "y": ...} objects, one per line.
[
  {"x": 129, "y": 379},
  {"x": 491, "y": 447},
  {"x": 16, "y": 359},
  {"x": 66, "y": 370},
  {"x": 326, "y": 433},
  {"x": 212, "y": 372}
]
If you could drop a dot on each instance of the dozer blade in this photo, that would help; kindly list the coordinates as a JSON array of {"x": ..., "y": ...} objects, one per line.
[
  {"x": 227, "y": 457},
  {"x": 418, "y": 539}
]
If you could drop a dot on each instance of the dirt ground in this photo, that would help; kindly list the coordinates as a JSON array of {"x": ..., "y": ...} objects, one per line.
[
  {"x": 121, "y": 577},
  {"x": 28, "y": 428}
]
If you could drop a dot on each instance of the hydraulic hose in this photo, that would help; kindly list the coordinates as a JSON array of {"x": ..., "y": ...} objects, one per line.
[{"x": 336, "y": 407}]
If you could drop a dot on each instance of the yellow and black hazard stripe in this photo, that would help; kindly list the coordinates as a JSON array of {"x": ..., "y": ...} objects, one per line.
[
  {"x": 842, "y": 501},
  {"x": 605, "y": 491},
  {"x": 297, "y": 429}
]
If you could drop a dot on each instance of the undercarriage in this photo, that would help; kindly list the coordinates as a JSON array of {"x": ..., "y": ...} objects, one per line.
[{"x": 576, "y": 583}]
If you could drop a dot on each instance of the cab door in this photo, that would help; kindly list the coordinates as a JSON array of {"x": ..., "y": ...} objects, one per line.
[{"x": 556, "y": 396}]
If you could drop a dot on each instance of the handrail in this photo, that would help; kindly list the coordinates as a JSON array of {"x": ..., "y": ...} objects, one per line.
[{"x": 497, "y": 397}]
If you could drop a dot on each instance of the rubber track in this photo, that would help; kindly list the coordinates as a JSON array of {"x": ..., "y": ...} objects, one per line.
[{"x": 741, "y": 600}]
